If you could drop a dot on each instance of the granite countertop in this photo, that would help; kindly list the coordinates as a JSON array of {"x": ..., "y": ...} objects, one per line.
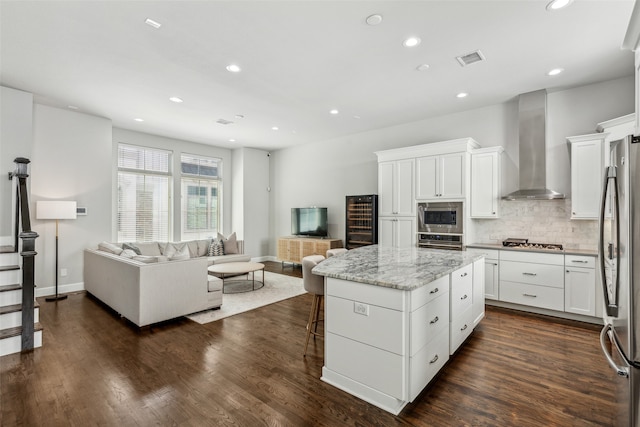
[
  {"x": 498, "y": 246},
  {"x": 397, "y": 268}
]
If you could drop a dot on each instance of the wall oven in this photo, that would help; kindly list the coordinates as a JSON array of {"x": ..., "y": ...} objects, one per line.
[{"x": 440, "y": 225}]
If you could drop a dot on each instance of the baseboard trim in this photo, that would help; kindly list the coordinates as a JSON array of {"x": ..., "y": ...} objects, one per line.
[
  {"x": 264, "y": 258},
  {"x": 62, "y": 289}
]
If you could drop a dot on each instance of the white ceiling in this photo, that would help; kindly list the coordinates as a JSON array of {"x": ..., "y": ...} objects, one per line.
[{"x": 299, "y": 59}]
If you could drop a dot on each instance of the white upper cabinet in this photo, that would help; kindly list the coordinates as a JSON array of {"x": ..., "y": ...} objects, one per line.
[
  {"x": 587, "y": 169},
  {"x": 396, "y": 188},
  {"x": 485, "y": 182},
  {"x": 441, "y": 177}
]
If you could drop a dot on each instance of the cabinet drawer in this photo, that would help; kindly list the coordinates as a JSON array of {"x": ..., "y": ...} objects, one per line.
[
  {"x": 461, "y": 290},
  {"x": 580, "y": 261},
  {"x": 376, "y": 295},
  {"x": 372, "y": 367},
  {"x": 460, "y": 329},
  {"x": 533, "y": 257},
  {"x": 369, "y": 324},
  {"x": 427, "y": 293},
  {"x": 533, "y": 274},
  {"x": 428, "y": 321},
  {"x": 537, "y": 296},
  {"x": 427, "y": 362}
]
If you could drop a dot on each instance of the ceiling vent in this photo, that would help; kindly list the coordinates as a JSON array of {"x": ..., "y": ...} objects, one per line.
[
  {"x": 470, "y": 58},
  {"x": 224, "y": 122}
]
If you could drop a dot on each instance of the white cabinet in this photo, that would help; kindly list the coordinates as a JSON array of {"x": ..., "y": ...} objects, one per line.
[
  {"x": 462, "y": 314},
  {"x": 485, "y": 182},
  {"x": 441, "y": 177},
  {"x": 580, "y": 285},
  {"x": 396, "y": 188},
  {"x": 531, "y": 278},
  {"x": 491, "y": 271},
  {"x": 478, "y": 292},
  {"x": 587, "y": 168},
  {"x": 398, "y": 232}
]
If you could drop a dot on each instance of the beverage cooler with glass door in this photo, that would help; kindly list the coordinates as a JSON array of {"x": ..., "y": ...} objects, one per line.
[{"x": 361, "y": 221}]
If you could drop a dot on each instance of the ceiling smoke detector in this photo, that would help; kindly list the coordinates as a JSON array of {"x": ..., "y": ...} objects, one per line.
[
  {"x": 470, "y": 58},
  {"x": 224, "y": 122}
]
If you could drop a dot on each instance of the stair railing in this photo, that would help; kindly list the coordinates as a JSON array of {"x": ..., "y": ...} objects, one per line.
[{"x": 28, "y": 253}]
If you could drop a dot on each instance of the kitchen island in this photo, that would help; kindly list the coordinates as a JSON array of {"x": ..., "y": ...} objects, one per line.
[{"x": 393, "y": 316}]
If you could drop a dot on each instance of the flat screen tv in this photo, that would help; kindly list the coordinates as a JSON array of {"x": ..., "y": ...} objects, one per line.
[{"x": 309, "y": 222}]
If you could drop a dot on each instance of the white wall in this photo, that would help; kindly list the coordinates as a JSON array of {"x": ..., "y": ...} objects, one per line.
[
  {"x": 251, "y": 210},
  {"x": 71, "y": 160},
  {"x": 16, "y": 140},
  {"x": 178, "y": 147},
  {"x": 323, "y": 173}
]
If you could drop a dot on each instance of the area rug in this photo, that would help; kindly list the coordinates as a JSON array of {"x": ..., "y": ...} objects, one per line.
[{"x": 277, "y": 287}]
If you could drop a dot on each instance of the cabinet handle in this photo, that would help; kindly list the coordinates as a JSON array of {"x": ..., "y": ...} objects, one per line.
[
  {"x": 493, "y": 213},
  {"x": 530, "y": 295},
  {"x": 434, "y": 360},
  {"x": 434, "y": 320},
  {"x": 464, "y": 327},
  {"x": 579, "y": 261},
  {"x": 435, "y": 291},
  {"x": 530, "y": 274},
  {"x": 464, "y": 297},
  {"x": 567, "y": 271},
  {"x": 462, "y": 275}
]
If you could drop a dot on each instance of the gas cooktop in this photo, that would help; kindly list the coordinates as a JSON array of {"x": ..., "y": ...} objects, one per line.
[{"x": 524, "y": 244}]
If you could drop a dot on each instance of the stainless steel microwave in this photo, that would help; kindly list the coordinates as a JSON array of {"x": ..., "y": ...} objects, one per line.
[{"x": 440, "y": 217}]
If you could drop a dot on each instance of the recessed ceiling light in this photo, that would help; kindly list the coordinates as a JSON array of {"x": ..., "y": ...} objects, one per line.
[
  {"x": 558, "y": 4},
  {"x": 374, "y": 19},
  {"x": 139, "y": 120},
  {"x": 274, "y": 128},
  {"x": 422, "y": 67},
  {"x": 462, "y": 95},
  {"x": 176, "y": 99},
  {"x": 152, "y": 23},
  {"x": 411, "y": 42},
  {"x": 334, "y": 111},
  {"x": 233, "y": 68},
  {"x": 555, "y": 71},
  {"x": 232, "y": 140},
  {"x": 72, "y": 107}
]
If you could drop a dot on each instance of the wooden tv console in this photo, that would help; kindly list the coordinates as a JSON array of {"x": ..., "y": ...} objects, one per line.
[{"x": 293, "y": 249}]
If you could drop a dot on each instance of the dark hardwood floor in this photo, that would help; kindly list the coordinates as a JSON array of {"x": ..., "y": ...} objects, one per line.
[{"x": 247, "y": 370}]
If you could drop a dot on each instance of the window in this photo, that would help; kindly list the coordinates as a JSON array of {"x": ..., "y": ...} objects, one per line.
[
  {"x": 144, "y": 194},
  {"x": 201, "y": 188}
]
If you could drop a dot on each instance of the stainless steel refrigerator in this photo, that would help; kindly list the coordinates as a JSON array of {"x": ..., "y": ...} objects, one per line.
[{"x": 619, "y": 257}]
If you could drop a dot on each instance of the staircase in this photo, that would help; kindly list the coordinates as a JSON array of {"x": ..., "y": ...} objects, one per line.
[{"x": 20, "y": 330}]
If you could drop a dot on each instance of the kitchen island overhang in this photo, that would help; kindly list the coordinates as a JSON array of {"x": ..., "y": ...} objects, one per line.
[{"x": 393, "y": 316}]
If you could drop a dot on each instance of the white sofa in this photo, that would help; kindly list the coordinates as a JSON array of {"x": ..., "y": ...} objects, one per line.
[{"x": 147, "y": 293}]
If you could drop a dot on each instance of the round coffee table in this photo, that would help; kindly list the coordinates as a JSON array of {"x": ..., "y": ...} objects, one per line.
[{"x": 232, "y": 269}]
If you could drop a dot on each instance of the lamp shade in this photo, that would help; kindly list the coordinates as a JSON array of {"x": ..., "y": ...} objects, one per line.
[{"x": 56, "y": 209}]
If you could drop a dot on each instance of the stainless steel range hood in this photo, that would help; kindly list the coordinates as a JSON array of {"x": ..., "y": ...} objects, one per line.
[{"x": 532, "y": 116}]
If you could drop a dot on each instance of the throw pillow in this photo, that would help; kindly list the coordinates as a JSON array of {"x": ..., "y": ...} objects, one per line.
[
  {"x": 110, "y": 247},
  {"x": 128, "y": 253},
  {"x": 193, "y": 248},
  {"x": 150, "y": 248},
  {"x": 203, "y": 247},
  {"x": 230, "y": 243},
  {"x": 176, "y": 251},
  {"x": 131, "y": 247},
  {"x": 216, "y": 248}
]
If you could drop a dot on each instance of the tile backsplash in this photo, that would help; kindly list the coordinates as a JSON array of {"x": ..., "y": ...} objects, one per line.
[{"x": 540, "y": 221}]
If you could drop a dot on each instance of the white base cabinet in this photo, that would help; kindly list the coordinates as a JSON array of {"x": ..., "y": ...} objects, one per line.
[
  {"x": 580, "y": 285},
  {"x": 385, "y": 345}
]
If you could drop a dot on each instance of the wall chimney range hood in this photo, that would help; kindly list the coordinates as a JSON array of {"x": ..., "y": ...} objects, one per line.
[{"x": 532, "y": 115}]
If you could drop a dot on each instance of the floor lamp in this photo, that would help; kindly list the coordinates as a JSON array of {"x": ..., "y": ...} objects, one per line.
[{"x": 56, "y": 209}]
